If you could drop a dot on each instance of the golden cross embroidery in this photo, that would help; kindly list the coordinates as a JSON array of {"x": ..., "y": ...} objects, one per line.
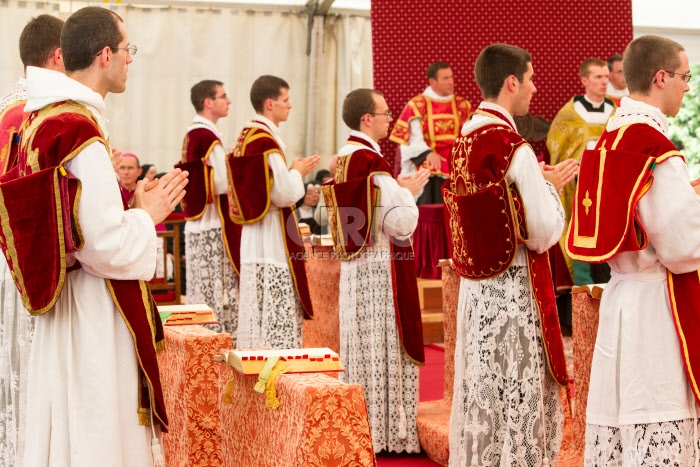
[{"x": 587, "y": 203}]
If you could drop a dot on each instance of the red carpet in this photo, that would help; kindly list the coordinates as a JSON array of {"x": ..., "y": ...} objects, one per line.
[{"x": 430, "y": 383}]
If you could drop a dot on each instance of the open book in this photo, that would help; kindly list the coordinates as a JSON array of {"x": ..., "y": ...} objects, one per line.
[
  {"x": 252, "y": 361},
  {"x": 177, "y": 315}
]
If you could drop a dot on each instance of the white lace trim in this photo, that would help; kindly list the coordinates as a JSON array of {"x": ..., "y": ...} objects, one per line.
[
  {"x": 632, "y": 111},
  {"x": 16, "y": 334},
  {"x": 211, "y": 279},
  {"x": 650, "y": 444},
  {"x": 502, "y": 386},
  {"x": 270, "y": 314},
  {"x": 18, "y": 93},
  {"x": 372, "y": 355}
]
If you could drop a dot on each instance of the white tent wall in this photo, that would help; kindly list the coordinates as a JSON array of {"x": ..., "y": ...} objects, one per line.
[{"x": 179, "y": 46}]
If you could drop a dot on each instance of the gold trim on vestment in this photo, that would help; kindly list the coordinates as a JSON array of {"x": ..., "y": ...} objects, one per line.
[
  {"x": 151, "y": 396},
  {"x": 223, "y": 236},
  {"x": 681, "y": 335}
]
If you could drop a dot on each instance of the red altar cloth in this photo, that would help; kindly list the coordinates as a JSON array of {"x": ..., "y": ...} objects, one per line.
[
  {"x": 323, "y": 275},
  {"x": 430, "y": 241},
  {"x": 190, "y": 386},
  {"x": 319, "y": 422}
]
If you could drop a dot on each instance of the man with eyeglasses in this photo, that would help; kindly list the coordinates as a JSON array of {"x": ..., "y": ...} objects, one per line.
[
  {"x": 81, "y": 259},
  {"x": 617, "y": 87},
  {"x": 427, "y": 127},
  {"x": 372, "y": 217},
  {"x": 274, "y": 292},
  {"x": 39, "y": 45},
  {"x": 637, "y": 209},
  {"x": 212, "y": 239}
]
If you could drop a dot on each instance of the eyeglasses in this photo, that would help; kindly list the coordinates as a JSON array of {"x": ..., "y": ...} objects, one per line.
[
  {"x": 223, "y": 96},
  {"x": 387, "y": 115},
  {"x": 686, "y": 77},
  {"x": 132, "y": 49}
]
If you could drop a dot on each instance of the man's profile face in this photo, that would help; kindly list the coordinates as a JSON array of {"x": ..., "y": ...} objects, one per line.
[
  {"x": 220, "y": 102},
  {"x": 676, "y": 87},
  {"x": 525, "y": 91},
  {"x": 444, "y": 84},
  {"x": 380, "y": 121},
  {"x": 596, "y": 82},
  {"x": 281, "y": 106},
  {"x": 617, "y": 78},
  {"x": 119, "y": 65},
  {"x": 128, "y": 171}
]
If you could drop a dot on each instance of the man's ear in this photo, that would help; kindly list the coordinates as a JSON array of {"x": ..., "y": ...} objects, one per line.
[{"x": 139, "y": 172}]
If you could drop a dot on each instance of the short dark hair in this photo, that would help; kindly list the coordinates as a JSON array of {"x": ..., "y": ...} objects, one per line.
[
  {"x": 39, "y": 39},
  {"x": 645, "y": 56},
  {"x": 433, "y": 69},
  {"x": 358, "y": 103},
  {"x": 264, "y": 88},
  {"x": 585, "y": 68},
  {"x": 203, "y": 90},
  {"x": 86, "y": 32},
  {"x": 496, "y": 63},
  {"x": 613, "y": 59}
]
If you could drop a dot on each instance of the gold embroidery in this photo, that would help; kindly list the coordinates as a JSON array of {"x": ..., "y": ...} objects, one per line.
[{"x": 587, "y": 203}]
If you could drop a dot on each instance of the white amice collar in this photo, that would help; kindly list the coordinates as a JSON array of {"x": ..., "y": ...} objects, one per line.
[
  {"x": 199, "y": 120},
  {"x": 429, "y": 93},
  {"x": 273, "y": 128},
  {"x": 359, "y": 134},
  {"x": 491, "y": 106},
  {"x": 632, "y": 111},
  {"x": 597, "y": 105}
]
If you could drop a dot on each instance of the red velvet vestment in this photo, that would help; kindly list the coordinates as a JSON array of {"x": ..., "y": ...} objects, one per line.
[
  {"x": 353, "y": 194},
  {"x": 441, "y": 122},
  {"x": 478, "y": 190},
  {"x": 613, "y": 178},
  {"x": 39, "y": 225},
  {"x": 11, "y": 120},
  {"x": 196, "y": 148},
  {"x": 250, "y": 182}
]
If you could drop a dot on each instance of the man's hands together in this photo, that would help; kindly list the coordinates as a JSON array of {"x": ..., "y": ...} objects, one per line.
[
  {"x": 159, "y": 197},
  {"x": 414, "y": 182},
  {"x": 560, "y": 174},
  {"x": 306, "y": 165}
]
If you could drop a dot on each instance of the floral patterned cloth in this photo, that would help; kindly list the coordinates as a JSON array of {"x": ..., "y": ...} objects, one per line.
[
  {"x": 434, "y": 416},
  {"x": 585, "y": 327},
  {"x": 270, "y": 314},
  {"x": 211, "y": 278},
  {"x": 320, "y": 422},
  {"x": 190, "y": 386},
  {"x": 506, "y": 407},
  {"x": 323, "y": 274},
  {"x": 16, "y": 334}
]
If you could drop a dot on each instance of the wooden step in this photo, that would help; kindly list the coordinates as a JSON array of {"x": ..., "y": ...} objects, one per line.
[
  {"x": 432, "y": 326},
  {"x": 430, "y": 293}
]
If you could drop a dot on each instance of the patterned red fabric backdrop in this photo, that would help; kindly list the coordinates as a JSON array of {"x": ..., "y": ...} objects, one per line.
[{"x": 408, "y": 35}]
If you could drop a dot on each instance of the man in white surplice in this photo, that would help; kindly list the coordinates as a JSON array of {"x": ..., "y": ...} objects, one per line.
[
  {"x": 270, "y": 313},
  {"x": 39, "y": 45},
  {"x": 211, "y": 278},
  {"x": 641, "y": 409},
  {"x": 83, "y": 371},
  {"x": 505, "y": 408},
  {"x": 370, "y": 346}
]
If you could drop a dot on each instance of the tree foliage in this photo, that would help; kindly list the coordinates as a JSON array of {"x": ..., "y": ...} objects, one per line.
[{"x": 685, "y": 127}]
